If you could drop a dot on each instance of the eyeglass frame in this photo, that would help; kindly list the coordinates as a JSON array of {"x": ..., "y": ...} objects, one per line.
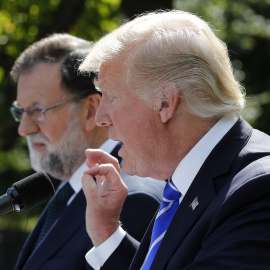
[{"x": 42, "y": 110}]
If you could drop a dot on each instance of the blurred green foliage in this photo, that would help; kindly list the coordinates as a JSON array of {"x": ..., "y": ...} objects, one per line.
[
  {"x": 22, "y": 22},
  {"x": 243, "y": 24}
]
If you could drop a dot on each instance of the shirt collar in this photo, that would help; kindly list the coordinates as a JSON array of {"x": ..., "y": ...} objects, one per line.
[{"x": 190, "y": 165}]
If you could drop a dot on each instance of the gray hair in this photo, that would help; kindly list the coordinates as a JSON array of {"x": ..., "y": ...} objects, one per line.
[{"x": 175, "y": 47}]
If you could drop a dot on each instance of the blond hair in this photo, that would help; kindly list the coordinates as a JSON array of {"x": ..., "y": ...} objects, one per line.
[{"x": 176, "y": 47}]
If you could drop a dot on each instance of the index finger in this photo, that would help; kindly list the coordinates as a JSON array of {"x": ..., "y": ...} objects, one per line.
[{"x": 97, "y": 157}]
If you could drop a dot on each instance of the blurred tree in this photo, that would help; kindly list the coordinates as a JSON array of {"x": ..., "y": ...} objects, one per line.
[
  {"x": 244, "y": 25},
  {"x": 22, "y": 22},
  {"x": 130, "y": 8}
]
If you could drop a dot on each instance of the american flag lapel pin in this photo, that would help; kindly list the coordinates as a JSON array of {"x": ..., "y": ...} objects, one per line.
[{"x": 194, "y": 204}]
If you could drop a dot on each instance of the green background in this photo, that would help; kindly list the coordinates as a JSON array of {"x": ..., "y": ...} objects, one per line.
[{"x": 243, "y": 24}]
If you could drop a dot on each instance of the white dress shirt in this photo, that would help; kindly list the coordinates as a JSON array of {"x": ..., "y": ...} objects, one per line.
[
  {"x": 188, "y": 168},
  {"x": 182, "y": 177}
]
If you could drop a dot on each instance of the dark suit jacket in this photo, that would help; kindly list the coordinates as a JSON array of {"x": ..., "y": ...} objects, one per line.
[
  {"x": 230, "y": 228},
  {"x": 66, "y": 244}
]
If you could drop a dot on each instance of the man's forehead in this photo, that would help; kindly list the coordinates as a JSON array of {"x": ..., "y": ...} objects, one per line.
[
  {"x": 103, "y": 84},
  {"x": 107, "y": 79}
]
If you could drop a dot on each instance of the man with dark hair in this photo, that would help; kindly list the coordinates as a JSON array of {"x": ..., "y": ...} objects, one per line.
[{"x": 56, "y": 110}]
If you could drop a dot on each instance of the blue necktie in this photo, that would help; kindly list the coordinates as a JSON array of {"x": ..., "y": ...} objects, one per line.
[
  {"x": 165, "y": 214},
  {"x": 55, "y": 209}
]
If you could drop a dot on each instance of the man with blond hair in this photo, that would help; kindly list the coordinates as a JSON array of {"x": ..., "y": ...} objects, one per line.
[{"x": 169, "y": 94}]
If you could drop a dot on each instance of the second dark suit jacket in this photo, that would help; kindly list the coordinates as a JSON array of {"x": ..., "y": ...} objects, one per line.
[
  {"x": 67, "y": 242},
  {"x": 230, "y": 228}
]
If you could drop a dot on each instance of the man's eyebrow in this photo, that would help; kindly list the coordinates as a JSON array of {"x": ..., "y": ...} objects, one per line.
[{"x": 33, "y": 104}]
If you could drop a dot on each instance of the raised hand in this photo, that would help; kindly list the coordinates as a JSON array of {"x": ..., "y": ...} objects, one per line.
[{"x": 105, "y": 196}]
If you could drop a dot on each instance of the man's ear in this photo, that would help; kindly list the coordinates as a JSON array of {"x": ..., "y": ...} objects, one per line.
[
  {"x": 91, "y": 104},
  {"x": 169, "y": 102}
]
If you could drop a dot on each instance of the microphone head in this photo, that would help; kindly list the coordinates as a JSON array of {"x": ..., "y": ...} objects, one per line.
[{"x": 34, "y": 189}]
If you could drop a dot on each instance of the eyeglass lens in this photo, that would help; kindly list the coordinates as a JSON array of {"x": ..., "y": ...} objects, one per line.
[
  {"x": 36, "y": 114},
  {"x": 16, "y": 113}
]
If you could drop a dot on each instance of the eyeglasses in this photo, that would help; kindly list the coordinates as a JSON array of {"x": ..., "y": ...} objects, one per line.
[{"x": 35, "y": 113}]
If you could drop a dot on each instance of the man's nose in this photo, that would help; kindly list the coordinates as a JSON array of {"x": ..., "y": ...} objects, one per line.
[
  {"x": 102, "y": 116},
  {"x": 102, "y": 119},
  {"x": 27, "y": 126}
]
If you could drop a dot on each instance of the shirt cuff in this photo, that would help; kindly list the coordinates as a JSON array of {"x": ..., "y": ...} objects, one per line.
[{"x": 97, "y": 256}]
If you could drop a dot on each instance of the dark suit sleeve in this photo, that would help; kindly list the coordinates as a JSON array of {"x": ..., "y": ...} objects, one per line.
[
  {"x": 239, "y": 237},
  {"x": 121, "y": 258},
  {"x": 137, "y": 213}
]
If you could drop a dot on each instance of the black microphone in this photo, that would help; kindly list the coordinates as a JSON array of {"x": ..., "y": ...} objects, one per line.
[{"x": 27, "y": 193}]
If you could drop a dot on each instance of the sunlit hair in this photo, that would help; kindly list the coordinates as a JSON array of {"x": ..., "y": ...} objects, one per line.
[{"x": 175, "y": 47}]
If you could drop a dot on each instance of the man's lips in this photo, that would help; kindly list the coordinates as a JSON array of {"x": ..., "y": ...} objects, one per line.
[{"x": 38, "y": 144}]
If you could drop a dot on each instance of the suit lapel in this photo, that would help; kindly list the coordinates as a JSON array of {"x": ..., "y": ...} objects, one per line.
[
  {"x": 204, "y": 187},
  {"x": 143, "y": 248},
  {"x": 67, "y": 225},
  {"x": 185, "y": 217},
  {"x": 31, "y": 240},
  {"x": 182, "y": 221}
]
